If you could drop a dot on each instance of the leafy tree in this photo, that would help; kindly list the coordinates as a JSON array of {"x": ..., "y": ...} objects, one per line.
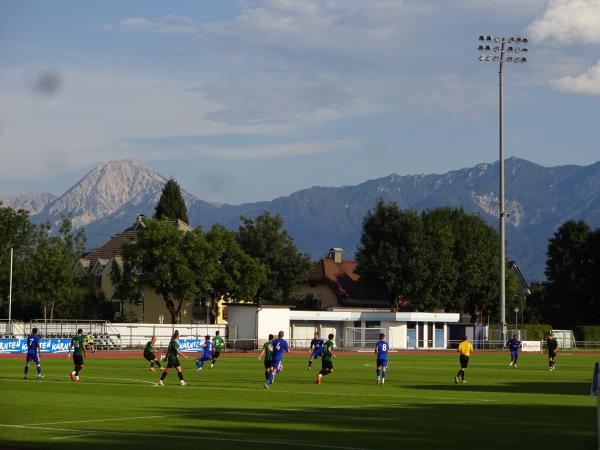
[
  {"x": 238, "y": 275},
  {"x": 266, "y": 240},
  {"x": 171, "y": 204},
  {"x": 391, "y": 253},
  {"x": 573, "y": 269},
  {"x": 176, "y": 264}
]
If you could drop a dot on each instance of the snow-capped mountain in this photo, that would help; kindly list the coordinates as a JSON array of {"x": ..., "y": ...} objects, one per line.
[{"x": 32, "y": 202}]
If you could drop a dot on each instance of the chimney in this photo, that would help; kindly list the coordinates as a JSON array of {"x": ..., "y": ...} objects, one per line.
[
  {"x": 335, "y": 253},
  {"x": 139, "y": 220}
]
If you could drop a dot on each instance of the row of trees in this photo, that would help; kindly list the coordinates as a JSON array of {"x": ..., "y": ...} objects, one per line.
[
  {"x": 441, "y": 259},
  {"x": 43, "y": 269}
]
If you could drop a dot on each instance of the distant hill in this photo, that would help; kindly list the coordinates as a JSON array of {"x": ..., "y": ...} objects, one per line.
[{"x": 539, "y": 199}]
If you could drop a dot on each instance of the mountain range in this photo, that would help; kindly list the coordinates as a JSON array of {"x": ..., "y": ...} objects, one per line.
[{"x": 539, "y": 199}]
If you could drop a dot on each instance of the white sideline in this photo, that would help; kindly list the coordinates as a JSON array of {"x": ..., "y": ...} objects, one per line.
[{"x": 176, "y": 436}]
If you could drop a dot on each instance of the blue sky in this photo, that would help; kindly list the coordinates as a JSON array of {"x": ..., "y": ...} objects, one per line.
[{"x": 250, "y": 100}]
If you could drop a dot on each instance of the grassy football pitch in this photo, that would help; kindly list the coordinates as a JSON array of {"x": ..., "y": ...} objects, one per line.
[{"x": 118, "y": 405}]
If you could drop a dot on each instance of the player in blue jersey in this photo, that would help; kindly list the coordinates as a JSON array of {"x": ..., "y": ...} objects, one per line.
[
  {"x": 33, "y": 353},
  {"x": 207, "y": 355},
  {"x": 381, "y": 349},
  {"x": 514, "y": 345},
  {"x": 315, "y": 349},
  {"x": 280, "y": 346}
]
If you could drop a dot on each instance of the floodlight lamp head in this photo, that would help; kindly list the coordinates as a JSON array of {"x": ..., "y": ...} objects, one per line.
[
  {"x": 525, "y": 40},
  {"x": 511, "y": 39},
  {"x": 497, "y": 39},
  {"x": 482, "y": 38},
  {"x": 523, "y": 60},
  {"x": 509, "y": 59},
  {"x": 481, "y": 58},
  {"x": 488, "y": 48},
  {"x": 510, "y": 49},
  {"x": 480, "y": 48},
  {"x": 519, "y": 39},
  {"x": 488, "y": 38}
]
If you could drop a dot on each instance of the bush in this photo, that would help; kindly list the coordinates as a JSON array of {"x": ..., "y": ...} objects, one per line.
[
  {"x": 587, "y": 333},
  {"x": 534, "y": 331}
]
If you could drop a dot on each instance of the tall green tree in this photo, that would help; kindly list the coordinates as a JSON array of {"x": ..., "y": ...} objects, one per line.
[
  {"x": 238, "y": 275},
  {"x": 391, "y": 253},
  {"x": 572, "y": 269},
  {"x": 175, "y": 264},
  {"x": 171, "y": 204},
  {"x": 266, "y": 240}
]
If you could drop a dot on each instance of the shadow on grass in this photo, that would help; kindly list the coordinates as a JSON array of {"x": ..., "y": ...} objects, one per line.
[
  {"x": 515, "y": 387},
  {"x": 413, "y": 426}
]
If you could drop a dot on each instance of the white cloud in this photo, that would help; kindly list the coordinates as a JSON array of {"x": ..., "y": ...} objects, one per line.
[
  {"x": 568, "y": 22},
  {"x": 168, "y": 24},
  {"x": 586, "y": 83}
]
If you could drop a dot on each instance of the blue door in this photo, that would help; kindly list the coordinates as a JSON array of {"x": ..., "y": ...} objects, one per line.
[
  {"x": 439, "y": 338},
  {"x": 411, "y": 338}
]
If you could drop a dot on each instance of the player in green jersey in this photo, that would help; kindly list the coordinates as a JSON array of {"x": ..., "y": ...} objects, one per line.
[
  {"x": 267, "y": 352},
  {"x": 150, "y": 354},
  {"x": 326, "y": 359},
  {"x": 552, "y": 347},
  {"x": 173, "y": 361},
  {"x": 78, "y": 347},
  {"x": 219, "y": 346}
]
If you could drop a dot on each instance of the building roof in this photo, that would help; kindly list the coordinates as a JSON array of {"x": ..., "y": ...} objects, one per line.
[{"x": 344, "y": 282}]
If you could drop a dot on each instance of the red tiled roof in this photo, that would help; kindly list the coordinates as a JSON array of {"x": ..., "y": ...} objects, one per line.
[
  {"x": 340, "y": 277},
  {"x": 114, "y": 246}
]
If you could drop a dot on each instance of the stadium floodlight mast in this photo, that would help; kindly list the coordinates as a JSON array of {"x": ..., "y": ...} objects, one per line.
[{"x": 502, "y": 50}]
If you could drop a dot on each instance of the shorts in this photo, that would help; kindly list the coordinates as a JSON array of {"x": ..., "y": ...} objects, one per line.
[
  {"x": 381, "y": 362},
  {"x": 150, "y": 356},
  {"x": 216, "y": 355},
  {"x": 514, "y": 354},
  {"x": 171, "y": 363},
  {"x": 33, "y": 357},
  {"x": 551, "y": 354},
  {"x": 464, "y": 361},
  {"x": 327, "y": 365},
  {"x": 205, "y": 358},
  {"x": 268, "y": 363},
  {"x": 316, "y": 354},
  {"x": 277, "y": 364},
  {"x": 78, "y": 360}
]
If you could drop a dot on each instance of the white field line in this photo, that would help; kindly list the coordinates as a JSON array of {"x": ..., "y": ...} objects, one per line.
[
  {"x": 177, "y": 436},
  {"x": 56, "y": 438},
  {"x": 237, "y": 389}
]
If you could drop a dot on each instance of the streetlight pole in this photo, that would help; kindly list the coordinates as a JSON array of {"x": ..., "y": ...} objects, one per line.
[
  {"x": 497, "y": 53},
  {"x": 10, "y": 292}
]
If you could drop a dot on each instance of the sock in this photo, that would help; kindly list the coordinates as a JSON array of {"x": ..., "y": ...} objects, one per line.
[
  {"x": 157, "y": 362},
  {"x": 270, "y": 377},
  {"x": 267, "y": 373},
  {"x": 164, "y": 374},
  {"x": 310, "y": 363},
  {"x": 26, "y": 369},
  {"x": 198, "y": 365},
  {"x": 39, "y": 370},
  {"x": 383, "y": 374},
  {"x": 378, "y": 372},
  {"x": 180, "y": 375}
]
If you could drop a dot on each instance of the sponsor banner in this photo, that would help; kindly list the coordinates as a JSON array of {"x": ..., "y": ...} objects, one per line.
[
  {"x": 46, "y": 345},
  {"x": 531, "y": 346},
  {"x": 191, "y": 345}
]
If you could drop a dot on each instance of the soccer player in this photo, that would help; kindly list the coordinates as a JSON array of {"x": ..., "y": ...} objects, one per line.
[
  {"x": 326, "y": 359},
  {"x": 552, "y": 347},
  {"x": 514, "y": 345},
  {"x": 90, "y": 342},
  {"x": 316, "y": 349},
  {"x": 267, "y": 352},
  {"x": 78, "y": 347},
  {"x": 173, "y": 360},
  {"x": 465, "y": 349},
  {"x": 207, "y": 355},
  {"x": 150, "y": 354},
  {"x": 33, "y": 353},
  {"x": 381, "y": 349},
  {"x": 280, "y": 346},
  {"x": 218, "y": 347}
]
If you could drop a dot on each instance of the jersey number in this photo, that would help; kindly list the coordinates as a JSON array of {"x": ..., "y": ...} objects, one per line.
[{"x": 384, "y": 348}]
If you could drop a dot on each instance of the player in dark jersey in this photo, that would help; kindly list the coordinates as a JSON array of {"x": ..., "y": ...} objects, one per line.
[
  {"x": 150, "y": 354},
  {"x": 552, "y": 347},
  {"x": 207, "y": 355},
  {"x": 78, "y": 347},
  {"x": 173, "y": 354},
  {"x": 280, "y": 346},
  {"x": 33, "y": 353},
  {"x": 326, "y": 359},
  {"x": 218, "y": 347},
  {"x": 381, "y": 349},
  {"x": 316, "y": 349},
  {"x": 514, "y": 345},
  {"x": 267, "y": 352}
]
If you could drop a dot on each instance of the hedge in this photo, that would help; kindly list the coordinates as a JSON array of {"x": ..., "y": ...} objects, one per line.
[
  {"x": 587, "y": 333},
  {"x": 535, "y": 331}
]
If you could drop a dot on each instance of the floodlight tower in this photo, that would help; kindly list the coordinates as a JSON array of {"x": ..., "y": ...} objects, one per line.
[{"x": 497, "y": 49}]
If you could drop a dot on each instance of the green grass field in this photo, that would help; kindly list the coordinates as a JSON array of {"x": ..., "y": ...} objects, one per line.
[{"x": 117, "y": 405}]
